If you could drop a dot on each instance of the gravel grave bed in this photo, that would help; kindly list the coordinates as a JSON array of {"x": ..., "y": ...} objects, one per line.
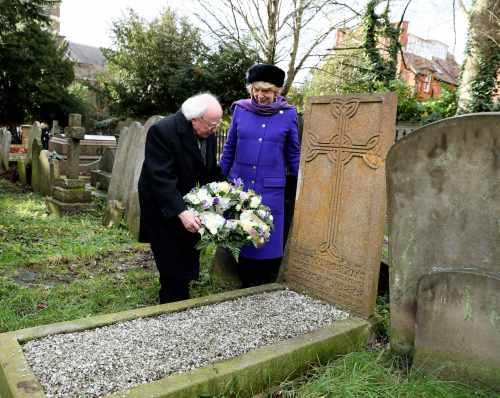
[{"x": 114, "y": 358}]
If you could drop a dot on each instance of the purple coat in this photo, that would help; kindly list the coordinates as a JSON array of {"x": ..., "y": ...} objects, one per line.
[{"x": 259, "y": 148}]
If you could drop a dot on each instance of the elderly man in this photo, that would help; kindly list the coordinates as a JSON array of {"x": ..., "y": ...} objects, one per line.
[{"x": 179, "y": 154}]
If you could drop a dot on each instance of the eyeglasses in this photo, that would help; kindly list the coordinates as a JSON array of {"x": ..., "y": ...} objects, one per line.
[{"x": 211, "y": 124}]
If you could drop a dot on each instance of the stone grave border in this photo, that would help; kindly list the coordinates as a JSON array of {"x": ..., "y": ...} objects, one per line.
[{"x": 249, "y": 373}]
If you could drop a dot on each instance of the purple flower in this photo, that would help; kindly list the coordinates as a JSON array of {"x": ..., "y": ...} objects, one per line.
[
  {"x": 238, "y": 182},
  {"x": 207, "y": 204},
  {"x": 216, "y": 201}
]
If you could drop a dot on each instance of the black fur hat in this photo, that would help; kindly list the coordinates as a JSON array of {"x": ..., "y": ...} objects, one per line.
[{"x": 266, "y": 73}]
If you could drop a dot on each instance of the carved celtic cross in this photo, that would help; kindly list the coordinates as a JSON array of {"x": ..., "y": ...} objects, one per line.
[{"x": 340, "y": 150}]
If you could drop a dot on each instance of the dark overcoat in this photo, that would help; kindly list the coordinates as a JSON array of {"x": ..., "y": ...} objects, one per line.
[
  {"x": 172, "y": 166},
  {"x": 259, "y": 149}
]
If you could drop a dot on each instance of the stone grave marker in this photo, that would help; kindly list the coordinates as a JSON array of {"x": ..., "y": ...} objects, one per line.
[
  {"x": 35, "y": 133},
  {"x": 126, "y": 169},
  {"x": 5, "y": 141},
  {"x": 458, "y": 333},
  {"x": 133, "y": 209},
  {"x": 101, "y": 177},
  {"x": 121, "y": 168},
  {"x": 444, "y": 207},
  {"x": 91, "y": 150},
  {"x": 36, "y": 166},
  {"x": 336, "y": 240},
  {"x": 69, "y": 194}
]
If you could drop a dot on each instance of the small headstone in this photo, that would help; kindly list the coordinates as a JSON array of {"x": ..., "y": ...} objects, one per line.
[
  {"x": 443, "y": 209},
  {"x": 35, "y": 134},
  {"x": 55, "y": 130},
  {"x": 338, "y": 227},
  {"x": 25, "y": 134},
  {"x": 36, "y": 167},
  {"x": 458, "y": 327},
  {"x": 5, "y": 141},
  {"x": 101, "y": 177}
]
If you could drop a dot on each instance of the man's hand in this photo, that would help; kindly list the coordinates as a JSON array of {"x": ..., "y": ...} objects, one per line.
[{"x": 191, "y": 222}]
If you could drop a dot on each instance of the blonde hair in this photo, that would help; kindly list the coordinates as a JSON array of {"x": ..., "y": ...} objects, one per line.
[{"x": 264, "y": 86}]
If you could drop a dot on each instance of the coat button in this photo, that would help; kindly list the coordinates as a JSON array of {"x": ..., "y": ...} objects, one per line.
[
  {"x": 253, "y": 181},
  {"x": 260, "y": 139},
  {"x": 254, "y": 167},
  {"x": 281, "y": 112},
  {"x": 263, "y": 125}
]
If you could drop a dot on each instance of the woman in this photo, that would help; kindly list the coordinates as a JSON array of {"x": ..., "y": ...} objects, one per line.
[{"x": 262, "y": 143}]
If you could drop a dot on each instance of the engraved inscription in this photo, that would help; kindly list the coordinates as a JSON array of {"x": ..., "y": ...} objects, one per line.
[{"x": 333, "y": 280}]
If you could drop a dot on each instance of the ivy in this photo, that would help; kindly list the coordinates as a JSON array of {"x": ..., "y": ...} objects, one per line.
[
  {"x": 484, "y": 85},
  {"x": 377, "y": 28}
]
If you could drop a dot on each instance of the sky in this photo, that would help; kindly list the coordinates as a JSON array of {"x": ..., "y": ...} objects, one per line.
[{"x": 90, "y": 21}]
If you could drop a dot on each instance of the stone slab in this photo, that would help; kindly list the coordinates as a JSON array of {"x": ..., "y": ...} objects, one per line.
[
  {"x": 72, "y": 195},
  {"x": 338, "y": 228},
  {"x": 458, "y": 327},
  {"x": 100, "y": 179},
  {"x": 58, "y": 208},
  {"x": 69, "y": 183},
  {"x": 91, "y": 147},
  {"x": 249, "y": 373},
  {"x": 443, "y": 207}
]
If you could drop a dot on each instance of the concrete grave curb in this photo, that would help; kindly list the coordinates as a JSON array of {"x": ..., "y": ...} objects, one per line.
[{"x": 247, "y": 374}]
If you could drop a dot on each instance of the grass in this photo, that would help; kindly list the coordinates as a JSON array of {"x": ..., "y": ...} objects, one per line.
[
  {"x": 374, "y": 374},
  {"x": 81, "y": 269},
  {"x": 30, "y": 236}
]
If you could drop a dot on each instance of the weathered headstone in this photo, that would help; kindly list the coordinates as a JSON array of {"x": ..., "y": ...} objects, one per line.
[
  {"x": 25, "y": 134},
  {"x": 337, "y": 236},
  {"x": 101, "y": 177},
  {"x": 133, "y": 209},
  {"x": 69, "y": 194},
  {"x": 5, "y": 141},
  {"x": 35, "y": 134},
  {"x": 36, "y": 167},
  {"x": 443, "y": 208},
  {"x": 458, "y": 327},
  {"x": 126, "y": 170}
]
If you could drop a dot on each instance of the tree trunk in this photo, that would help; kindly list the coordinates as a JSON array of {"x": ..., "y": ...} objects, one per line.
[{"x": 483, "y": 32}]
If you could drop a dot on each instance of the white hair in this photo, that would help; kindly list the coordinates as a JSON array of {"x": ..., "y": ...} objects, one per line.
[{"x": 197, "y": 105}]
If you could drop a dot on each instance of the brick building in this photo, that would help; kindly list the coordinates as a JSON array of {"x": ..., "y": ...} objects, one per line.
[{"x": 426, "y": 65}]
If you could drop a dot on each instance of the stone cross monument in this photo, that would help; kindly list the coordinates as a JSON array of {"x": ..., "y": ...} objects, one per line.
[
  {"x": 75, "y": 133},
  {"x": 69, "y": 194}
]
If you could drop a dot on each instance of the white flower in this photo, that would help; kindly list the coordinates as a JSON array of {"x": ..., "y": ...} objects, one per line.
[
  {"x": 224, "y": 187},
  {"x": 214, "y": 186},
  {"x": 243, "y": 196},
  {"x": 203, "y": 195},
  {"x": 224, "y": 203},
  {"x": 231, "y": 224},
  {"x": 255, "y": 202},
  {"x": 212, "y": 221},
  {"x": 192, "y": 198}
]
